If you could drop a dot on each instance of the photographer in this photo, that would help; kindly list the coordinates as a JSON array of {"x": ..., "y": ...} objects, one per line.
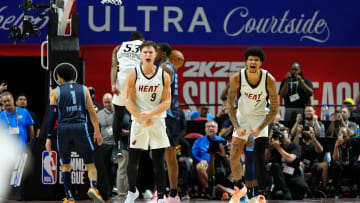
[
  {"x": 341, "y": 120},
  {"x": 345, "y": 160},
  {"x": 309, "y": 119},
  {"x": 204, "y": 150},
  {"x": 284, "y": 156},
  {"x": 296, "y": 90},
  {"x": 310, "y": 148}
]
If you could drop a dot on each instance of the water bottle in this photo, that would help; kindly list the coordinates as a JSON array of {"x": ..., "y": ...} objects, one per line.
[
  {"x": 188, "y": 114},
  {"x": 328, "y": 157},
  {"x": 357, "y": 131},
  {"x": 322, "y": 131},
  {"x": 325, "y": 112}
]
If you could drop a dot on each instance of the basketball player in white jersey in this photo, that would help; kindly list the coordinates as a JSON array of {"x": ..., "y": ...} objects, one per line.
[
  {"x": 124, "y": 58},
  {"x": 256, "y": 86},
  {"x": 148, "y": 96}
]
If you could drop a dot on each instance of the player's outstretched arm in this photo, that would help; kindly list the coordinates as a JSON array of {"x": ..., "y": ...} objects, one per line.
[
  {"x": 273, "y": 97},
  {"x": 93, "y": 117},
  {"x": 114, "y": 70}
]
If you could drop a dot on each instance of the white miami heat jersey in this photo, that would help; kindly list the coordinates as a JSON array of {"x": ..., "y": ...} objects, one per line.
[
  {"x": 128, "y": 57},
  {"x": 149, "y": 90},
  {"x": 253, "y": 98}
]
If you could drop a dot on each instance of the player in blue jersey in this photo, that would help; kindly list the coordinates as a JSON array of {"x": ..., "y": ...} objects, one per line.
[
  {"x": 173, "y": 126},
  {"x": 68, "y": 104}
]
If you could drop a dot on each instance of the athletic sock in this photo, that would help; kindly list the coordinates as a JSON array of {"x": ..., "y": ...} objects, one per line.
[
  {"x": 250, "y": 192},
  {"x": 67, "y": 184},
  {"x": 93, "y": 184},
  {"x": 160, "y": 195},
  {"x": 239, "y": 184},
  {"x": 173, "y": 192},
  {"x": 133, "y": 190}
]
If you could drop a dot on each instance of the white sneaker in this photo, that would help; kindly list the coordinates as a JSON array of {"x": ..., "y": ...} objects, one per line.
[
  {"x": 173, "y": 199},
  {"x": 131, "y": 197},
  {"x": 161, "y": 201},
  {"x": 147, "y": 194}
]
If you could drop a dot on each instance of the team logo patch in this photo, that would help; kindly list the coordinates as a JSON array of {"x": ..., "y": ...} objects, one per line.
[{"x": 49, "y": 167}]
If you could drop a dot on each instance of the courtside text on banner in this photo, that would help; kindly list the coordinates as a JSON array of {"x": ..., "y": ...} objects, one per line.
[{"x": 195, "y": 22}]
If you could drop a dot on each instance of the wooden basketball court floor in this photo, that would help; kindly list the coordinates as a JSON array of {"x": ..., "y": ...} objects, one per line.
[{"x": 329, "y": 200}]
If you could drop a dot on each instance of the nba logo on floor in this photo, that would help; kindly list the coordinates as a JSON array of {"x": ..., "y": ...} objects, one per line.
[{"x": 49, "y": 167}]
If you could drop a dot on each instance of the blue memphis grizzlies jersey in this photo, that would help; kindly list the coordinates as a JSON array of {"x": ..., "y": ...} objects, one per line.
[
  {"x": 71, "y": 103},
  {"x": 173, "y": 111}
]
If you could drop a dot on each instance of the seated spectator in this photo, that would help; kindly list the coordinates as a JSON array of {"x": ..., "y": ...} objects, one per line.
[
  {"x": 204, "y": 155},
  {"x": 310, "y": 148},
  {"x": 355, "y": 114},
  {"x": 226, "y": 130},
  {"x": 203, "y": 112},
  {"x": 341, "y": 120},
  {"x": 3, "y": 87},
  {"x": 349, "y": 102},
  {"x": 310, "y": 119},
  {"x": 22, "y": 101},
  {"x": 345, "y": 160},
  {"x": 222, "y": 115},
  {"x": 284, "y": 156},
  {"x": 183, "y": 155}
]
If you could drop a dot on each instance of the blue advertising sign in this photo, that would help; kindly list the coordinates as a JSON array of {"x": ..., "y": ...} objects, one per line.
[{"x": 210, "y": 22}]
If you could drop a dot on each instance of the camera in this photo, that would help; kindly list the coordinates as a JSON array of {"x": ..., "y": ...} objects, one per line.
[
  {"x": 306, "y": 128},
  {"x": 28, "y": 27},
  {"x": 276, "y": 132},
  {"x": 277, "y": 135}
]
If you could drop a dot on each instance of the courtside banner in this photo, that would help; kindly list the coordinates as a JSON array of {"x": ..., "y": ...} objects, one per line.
[{"x": 205, "y": 22}]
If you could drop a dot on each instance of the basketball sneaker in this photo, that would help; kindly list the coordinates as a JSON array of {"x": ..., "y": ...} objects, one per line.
[
  {"x": 260, "y": 199},
  {"x": 94, "y": 195},
  {"x": 131, "y": 197},
  {"x": 154, "y": 198},
  {"x": 71, "y": 200},
  {"x": 238, "y": 195},
  {"x": 224, "y": 196},
  {"x": 147, "y": 194},
  {"x": 173, "y": 199},
  {"x": 161, "y": 201}
]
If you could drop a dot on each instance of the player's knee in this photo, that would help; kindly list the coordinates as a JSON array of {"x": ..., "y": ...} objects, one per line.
[{"x": 199, "y": 167}]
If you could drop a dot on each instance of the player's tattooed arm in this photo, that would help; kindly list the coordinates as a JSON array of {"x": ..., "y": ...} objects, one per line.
[
  {"x": 273, "y": 97},
  {"x": 233, "y": 86}
]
